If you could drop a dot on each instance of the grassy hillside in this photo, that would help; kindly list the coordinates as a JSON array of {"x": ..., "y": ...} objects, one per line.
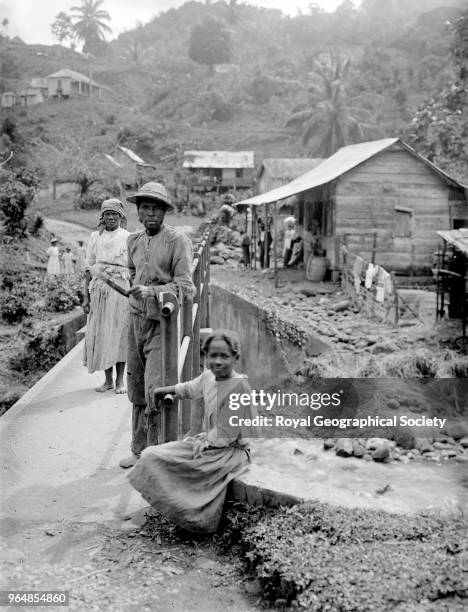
[{"x": 160, "y": 102}]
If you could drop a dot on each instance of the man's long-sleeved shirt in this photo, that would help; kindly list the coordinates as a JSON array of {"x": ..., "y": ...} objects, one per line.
[{"x": 163, "y": 262}]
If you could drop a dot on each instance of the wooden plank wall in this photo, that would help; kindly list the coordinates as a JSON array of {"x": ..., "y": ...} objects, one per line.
[{"x": 366, "y": 199}]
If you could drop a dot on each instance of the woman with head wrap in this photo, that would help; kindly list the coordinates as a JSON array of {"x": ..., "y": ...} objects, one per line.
[
  {"x": 187, "y": 480},
  {"x": 107, "y": 325}
]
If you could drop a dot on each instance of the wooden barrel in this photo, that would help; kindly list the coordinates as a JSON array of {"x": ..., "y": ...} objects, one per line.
[{"x": 316, "y": 268}]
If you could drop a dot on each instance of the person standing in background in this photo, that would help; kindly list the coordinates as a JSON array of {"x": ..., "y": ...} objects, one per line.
[
  {"x": 107, "y": 326},
  {"x": 53, "y": 263}
]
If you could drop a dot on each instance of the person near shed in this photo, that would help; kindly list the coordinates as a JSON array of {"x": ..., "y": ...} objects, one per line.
[
  {"x": 290, "y": 236},
  {"x": 160, "y": 260},
  {"x": 106, "y": 328},
  {"x": 245, "y": 244}
]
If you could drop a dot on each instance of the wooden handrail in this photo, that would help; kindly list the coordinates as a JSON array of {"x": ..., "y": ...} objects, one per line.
[{"x": 180, "y": 341}]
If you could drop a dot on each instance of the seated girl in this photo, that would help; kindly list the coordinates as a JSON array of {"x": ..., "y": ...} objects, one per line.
[{"x": 187, "y": 480}]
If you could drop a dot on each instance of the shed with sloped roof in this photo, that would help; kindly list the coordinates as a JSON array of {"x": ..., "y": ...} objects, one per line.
[
  {"x": 223, "y": 170},
  {"x": 380, "y": 194}
]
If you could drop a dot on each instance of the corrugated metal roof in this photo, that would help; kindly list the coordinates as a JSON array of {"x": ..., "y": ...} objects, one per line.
[
  {"x": 458, "y": 237},
  {"x": 132, "y": 155},
  {"x": 219, "y": 159},
  {"x": 287, "y": 169},
  {"x": 344, "y": 160}
]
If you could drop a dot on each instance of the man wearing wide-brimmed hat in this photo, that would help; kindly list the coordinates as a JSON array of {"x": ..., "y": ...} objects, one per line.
[{"x": 160, "y": 259}]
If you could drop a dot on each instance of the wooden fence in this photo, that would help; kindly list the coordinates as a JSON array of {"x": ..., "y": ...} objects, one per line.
[{"x": 183, "y": 321}]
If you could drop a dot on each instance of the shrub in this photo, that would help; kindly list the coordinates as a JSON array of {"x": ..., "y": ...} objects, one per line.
[
  {"x": 13, "y": 306},
  {"x": 40, "y": 351},
  {"x": 317, "y": 557},
  {"x": 62, "y": 294},
  {"x": 15, "y": 198},
  {"x": 17, "y": 297},
  {"x": 36, "y": 225},
  {"x": 92, "y": 199}
]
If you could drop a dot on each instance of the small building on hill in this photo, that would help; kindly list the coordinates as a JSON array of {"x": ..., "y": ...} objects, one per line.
[
  {"x": 30, "y": 96},
  {"x": 379, "y": 196},
  {"x": 222, "y": 170},
  {"x": 132, "y": 169},
  {"x": 8, "y": 99},
  {"x": 67, "y": 83}
]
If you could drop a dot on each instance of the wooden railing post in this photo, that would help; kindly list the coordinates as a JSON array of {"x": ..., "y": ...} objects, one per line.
[
  {"x": 196, "y": 316},
  {"x": 186, "y": 355},
  {"x": 207, "y": 281},
  {"x": 170, "y": 353}
]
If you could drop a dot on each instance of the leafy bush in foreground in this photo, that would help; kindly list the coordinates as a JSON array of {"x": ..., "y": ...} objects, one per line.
[
  {"x": 320, "y": 558},
  {"x": 63, "y": 293},
  {"x": 17, "y": 296},
  {"x": 40, "y": 351}
]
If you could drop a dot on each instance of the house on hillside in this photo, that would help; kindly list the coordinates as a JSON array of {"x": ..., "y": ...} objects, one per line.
[
  {"x": 380, "y": 195},
  {"x": 221, "y": 170},
  {"x": 8, "y": 99},
  {"x": 132, "y": 169},
  {"x": 67, "y": 83},
  {"x": 30, "y": 96}
]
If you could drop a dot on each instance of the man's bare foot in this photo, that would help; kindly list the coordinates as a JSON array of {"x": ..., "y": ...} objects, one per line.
[
  {"x": 104, "y": 387},
  {"x": 128, "y": 462},
  {"x": 120, "y": 388}
]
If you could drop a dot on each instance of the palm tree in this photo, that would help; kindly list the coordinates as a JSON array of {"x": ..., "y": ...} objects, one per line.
[
  {"x": 330, "y": 120},
  {"x": 90, "y": 26}
]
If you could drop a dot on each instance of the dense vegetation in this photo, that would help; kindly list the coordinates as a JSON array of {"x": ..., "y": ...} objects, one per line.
[
  {"x": 290, "y": 86},
  {"x": 316, "y": 557}
]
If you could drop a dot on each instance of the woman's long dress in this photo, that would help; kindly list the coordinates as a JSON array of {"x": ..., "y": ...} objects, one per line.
[
  {"x": 53, "y": 263},
  {"x": 187, "y": 480},
  {"x": 107, "y": 325}
]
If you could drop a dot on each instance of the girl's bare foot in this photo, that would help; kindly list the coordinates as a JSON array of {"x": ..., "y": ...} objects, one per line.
[
  {"x": 120, "y": 388},
  {"x": 106, "y": 386}
]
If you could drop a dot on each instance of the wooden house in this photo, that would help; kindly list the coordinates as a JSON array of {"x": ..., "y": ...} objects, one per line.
[
  {"x": 379, "y": 196},
  {"x": 222, "y": 170},
  {"x": 131, "y": 168},
  {"x": 67, "y": 83}
]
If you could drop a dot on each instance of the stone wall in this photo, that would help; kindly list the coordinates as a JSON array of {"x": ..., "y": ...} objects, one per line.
[{"x": 266, "y": 359}]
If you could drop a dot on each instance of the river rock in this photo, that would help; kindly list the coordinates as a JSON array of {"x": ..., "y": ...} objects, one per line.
[
  {"x": 457, "y": 430},
  {"x": 381, "y": 453},
  {"x": 358, "y": 449},
  {"x": 216, "y": 259},
  {"x": 374, "y": 443},
  {"x": 328, "y": 444},
  {"x": 344, "y": 447},
  {"x": 464, "y": 441},
  {"x": 424, "y": 445}
]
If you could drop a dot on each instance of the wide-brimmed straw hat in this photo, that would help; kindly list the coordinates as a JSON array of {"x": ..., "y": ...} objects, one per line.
[{"x": 152, "y": 191}]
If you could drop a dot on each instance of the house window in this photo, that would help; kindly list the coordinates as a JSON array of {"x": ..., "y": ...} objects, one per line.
[
  {"x": 403, "y": 222},
  {"x": 238, "y": 172},
  {"x": 460, "y": 223}
]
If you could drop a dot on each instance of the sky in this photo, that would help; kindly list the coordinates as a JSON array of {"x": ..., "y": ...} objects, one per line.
[{"x": 31, "y": 19}]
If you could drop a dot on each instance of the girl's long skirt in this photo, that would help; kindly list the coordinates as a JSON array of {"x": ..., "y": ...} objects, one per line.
[
  {"x": 106, "y": 328},
  {"x": 189, "y": 491}
]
